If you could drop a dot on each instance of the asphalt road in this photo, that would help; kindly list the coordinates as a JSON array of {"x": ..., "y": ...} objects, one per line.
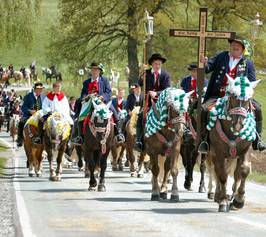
[{"x": 67, "y": 208}]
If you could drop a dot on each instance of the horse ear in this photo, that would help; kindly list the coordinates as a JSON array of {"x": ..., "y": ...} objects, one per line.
[
  {"x": 254, "y": 83},
  {"x": 230, "y": 79},
  {"x": 94, "y": 105},
  {"x": 189, "y": 93},
  {"x": 109, "y": 104}
]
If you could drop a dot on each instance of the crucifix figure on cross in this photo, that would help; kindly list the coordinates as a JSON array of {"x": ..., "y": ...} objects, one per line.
[{"x": 202, "y": 34}]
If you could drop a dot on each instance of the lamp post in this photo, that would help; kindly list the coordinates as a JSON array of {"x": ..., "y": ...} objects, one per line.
[
  {"x": 148, "y": 26},
  {"x": 255, "y": 26}
]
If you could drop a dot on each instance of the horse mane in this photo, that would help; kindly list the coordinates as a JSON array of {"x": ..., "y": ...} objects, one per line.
[{"x": 133, "y": 120}]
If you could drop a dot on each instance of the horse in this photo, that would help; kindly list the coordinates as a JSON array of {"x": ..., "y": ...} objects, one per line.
[
  {"x": 33, "y": 151},
  {"x": 14, "y": 126},
  {"x": 118, "y": 149},
  {"x": 56, "y": 136},
  {"x": 163, "y": 137},
  {"x": 232, "y": 128},
  {"x": 49, "y": 74},
  {"x": 18, "y": 76},
  {"x": 135, "y": 170},
  {"x": 189, "y": 151},
  {"x": 98, "y": 140},
  {"x": 33, "y": 74},
  {"x": 2, "y": 117},
  {"x": 28, "y": 78}
]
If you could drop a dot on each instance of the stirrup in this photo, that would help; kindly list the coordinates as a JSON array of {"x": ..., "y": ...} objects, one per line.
[
  {"x": 261, "y": 146},
  {"x": 203, "y": 147},
  {"x": 120, "y": 138},
  {"x": 37, "y": 140},
  {"x": 78, "y": 141}
]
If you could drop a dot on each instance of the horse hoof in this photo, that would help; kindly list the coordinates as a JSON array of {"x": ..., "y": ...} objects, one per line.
[
  {"x": 114, "y": 168},
  {"x": 174, "y": 198},
  {"x": 30, "y": 175},
  {"x": 155, "y": 197},
  {"x": 187, "y": 186},
  {"x": 121, "y": 168},
  {"x": 223, "y": 208},
  {"x": 39, "y": 175},
  {"x": 202, "y": 189},
  {"x": 53, "y": 178},
  {"x": 163, "y": 196},
  {"x": 133, "y": 174},
  {"x": 101, "y": 188},
  {"x": 236, "y": 204},
  {"x": 210, "y": 196},
  {"x": 140, "y": 176},
  {"x": 92, "y": 188}
]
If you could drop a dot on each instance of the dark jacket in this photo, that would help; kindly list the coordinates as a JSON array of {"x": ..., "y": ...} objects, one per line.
[
  {"x": 219, "y": 66},
  {"x": 104, "y": 88},
  {"x": 164, "y": 81},
  {"x": 114, "y": 102},
  {"x": 29, "y": 103},
  {"x": 186, "y": 83},
  {"x": 131, "y": 102}
]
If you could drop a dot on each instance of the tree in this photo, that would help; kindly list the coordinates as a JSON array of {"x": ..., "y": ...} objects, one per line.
[{"x": 17, "y": 21}]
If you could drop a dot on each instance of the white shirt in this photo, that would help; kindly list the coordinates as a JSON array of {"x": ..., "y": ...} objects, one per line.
[
  {"x": 233, "y": 61},
  {"x": 55, "y": 105}
]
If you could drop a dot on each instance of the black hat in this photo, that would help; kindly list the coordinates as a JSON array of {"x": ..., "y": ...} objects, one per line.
[
  {"x": 156, "y": 56},
  {"x": 98, "y": 65},
  {"x": 38, "y": 85},
  {"x": 192, "y": 66},
  {"x": 238, "y": 39}
]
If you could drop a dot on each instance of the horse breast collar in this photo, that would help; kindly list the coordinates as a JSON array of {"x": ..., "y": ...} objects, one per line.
[
  {"x": 170, "y": 144},
  {"x": 231, "y": 143}
]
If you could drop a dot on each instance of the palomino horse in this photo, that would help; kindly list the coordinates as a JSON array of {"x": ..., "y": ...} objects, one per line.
[
  {"x": 56, "y": 136},
  {"x": 118, "y": 149},
  {"x": 163, "y": 137},
  {"x": 33, "y": 151},
  {"x": 14, "y": 126},
  {"x": 232, "y": 129},
  {"x": 98, "y": 140},
  {"x": 135, "y": 170}
]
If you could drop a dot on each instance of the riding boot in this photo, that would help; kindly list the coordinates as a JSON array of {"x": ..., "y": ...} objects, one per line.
[
  {"x": 78, "y": 140},
  {"x": 203, "y": 146},
  {"x": 39, "y": 139},
  {"x": 258, "y": 144},
  {"x": 139, "y": 136},
  {"x": 20, "y": 133}
]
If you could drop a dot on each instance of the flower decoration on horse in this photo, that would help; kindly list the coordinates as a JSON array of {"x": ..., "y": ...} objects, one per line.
[{"x": 238, "y": 92}]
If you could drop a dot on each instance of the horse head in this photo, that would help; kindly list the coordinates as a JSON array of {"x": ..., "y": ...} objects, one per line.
[
  {"x": 57, "y": 129},
  {"x": 239, "y": 95},
  {"x": 177, "y": 105},
  {"x": 100, "y": 120}
]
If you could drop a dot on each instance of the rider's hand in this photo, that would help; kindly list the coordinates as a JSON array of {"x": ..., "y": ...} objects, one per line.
[
  {"x": 101, "y": 98},
  {"x": 153, "y": 94},
  {"x": 204, "y": 60},
  {"x": 32, "y": 111}
]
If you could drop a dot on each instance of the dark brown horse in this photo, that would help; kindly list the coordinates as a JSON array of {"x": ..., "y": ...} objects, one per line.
[
  {"x": 232, "y": 129},
  {"x": 98, "y": 140},
  {"x": 163, "y": 137}
]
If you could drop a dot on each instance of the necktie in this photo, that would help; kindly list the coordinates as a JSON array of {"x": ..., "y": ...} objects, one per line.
[
  {"x": 156, "y": 80},
  {"x": 38, "y": 103}
]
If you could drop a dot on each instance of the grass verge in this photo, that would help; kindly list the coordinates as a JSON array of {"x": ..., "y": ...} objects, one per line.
[{"x": 257, "y": 177}]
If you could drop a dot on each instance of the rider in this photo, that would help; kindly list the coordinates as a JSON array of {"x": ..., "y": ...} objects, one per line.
[
  {"x": 135, "y": 98},
  {"x": 1, "y": 71},
  {"x": 22, "y": 70},
  {"x": 99, "y": 85},
  {"x": 53, "y": 69},
  {"x": 55, "y": 101},
  {"x": 235, "y": 64},
  {"x": 11, "y": 69},
  {"x": 157, "y": 80},
  {"x": 31, "y": 103},
  {"x": 119, "y": 103}
]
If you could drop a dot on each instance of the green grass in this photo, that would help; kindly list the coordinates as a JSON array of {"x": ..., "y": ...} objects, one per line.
[
  {"x": 2, "y": 160},
  {"x": 257, "y": 177}
]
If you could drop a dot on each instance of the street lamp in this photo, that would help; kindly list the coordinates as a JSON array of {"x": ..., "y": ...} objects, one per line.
[
  {"x": 148, "y": 24},
  {"x": 255, "y": 26}
]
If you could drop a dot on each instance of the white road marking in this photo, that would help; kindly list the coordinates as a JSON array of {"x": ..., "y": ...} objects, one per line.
[
  {"x": 22, "y": 210},
  {"x": 248, "y": 222}
]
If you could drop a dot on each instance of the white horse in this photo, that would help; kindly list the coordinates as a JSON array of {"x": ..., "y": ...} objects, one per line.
[{"x": 27, "y": 76}]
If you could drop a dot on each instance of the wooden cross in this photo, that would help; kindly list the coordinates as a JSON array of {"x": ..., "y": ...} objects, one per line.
[{"x": 202, "y": 34}]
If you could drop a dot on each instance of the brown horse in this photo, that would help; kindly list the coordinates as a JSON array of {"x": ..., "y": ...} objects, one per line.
[
  {"x": 163, "y": 137},
  {"x": 14, "y": 126},
  {"x": 232, "y": 129},
  {"x": 56, "y": 136},
  {"x": 135, "y": 169},
  {"x": 98, "y": 140},
  {"x": 33, "y": 151}
]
